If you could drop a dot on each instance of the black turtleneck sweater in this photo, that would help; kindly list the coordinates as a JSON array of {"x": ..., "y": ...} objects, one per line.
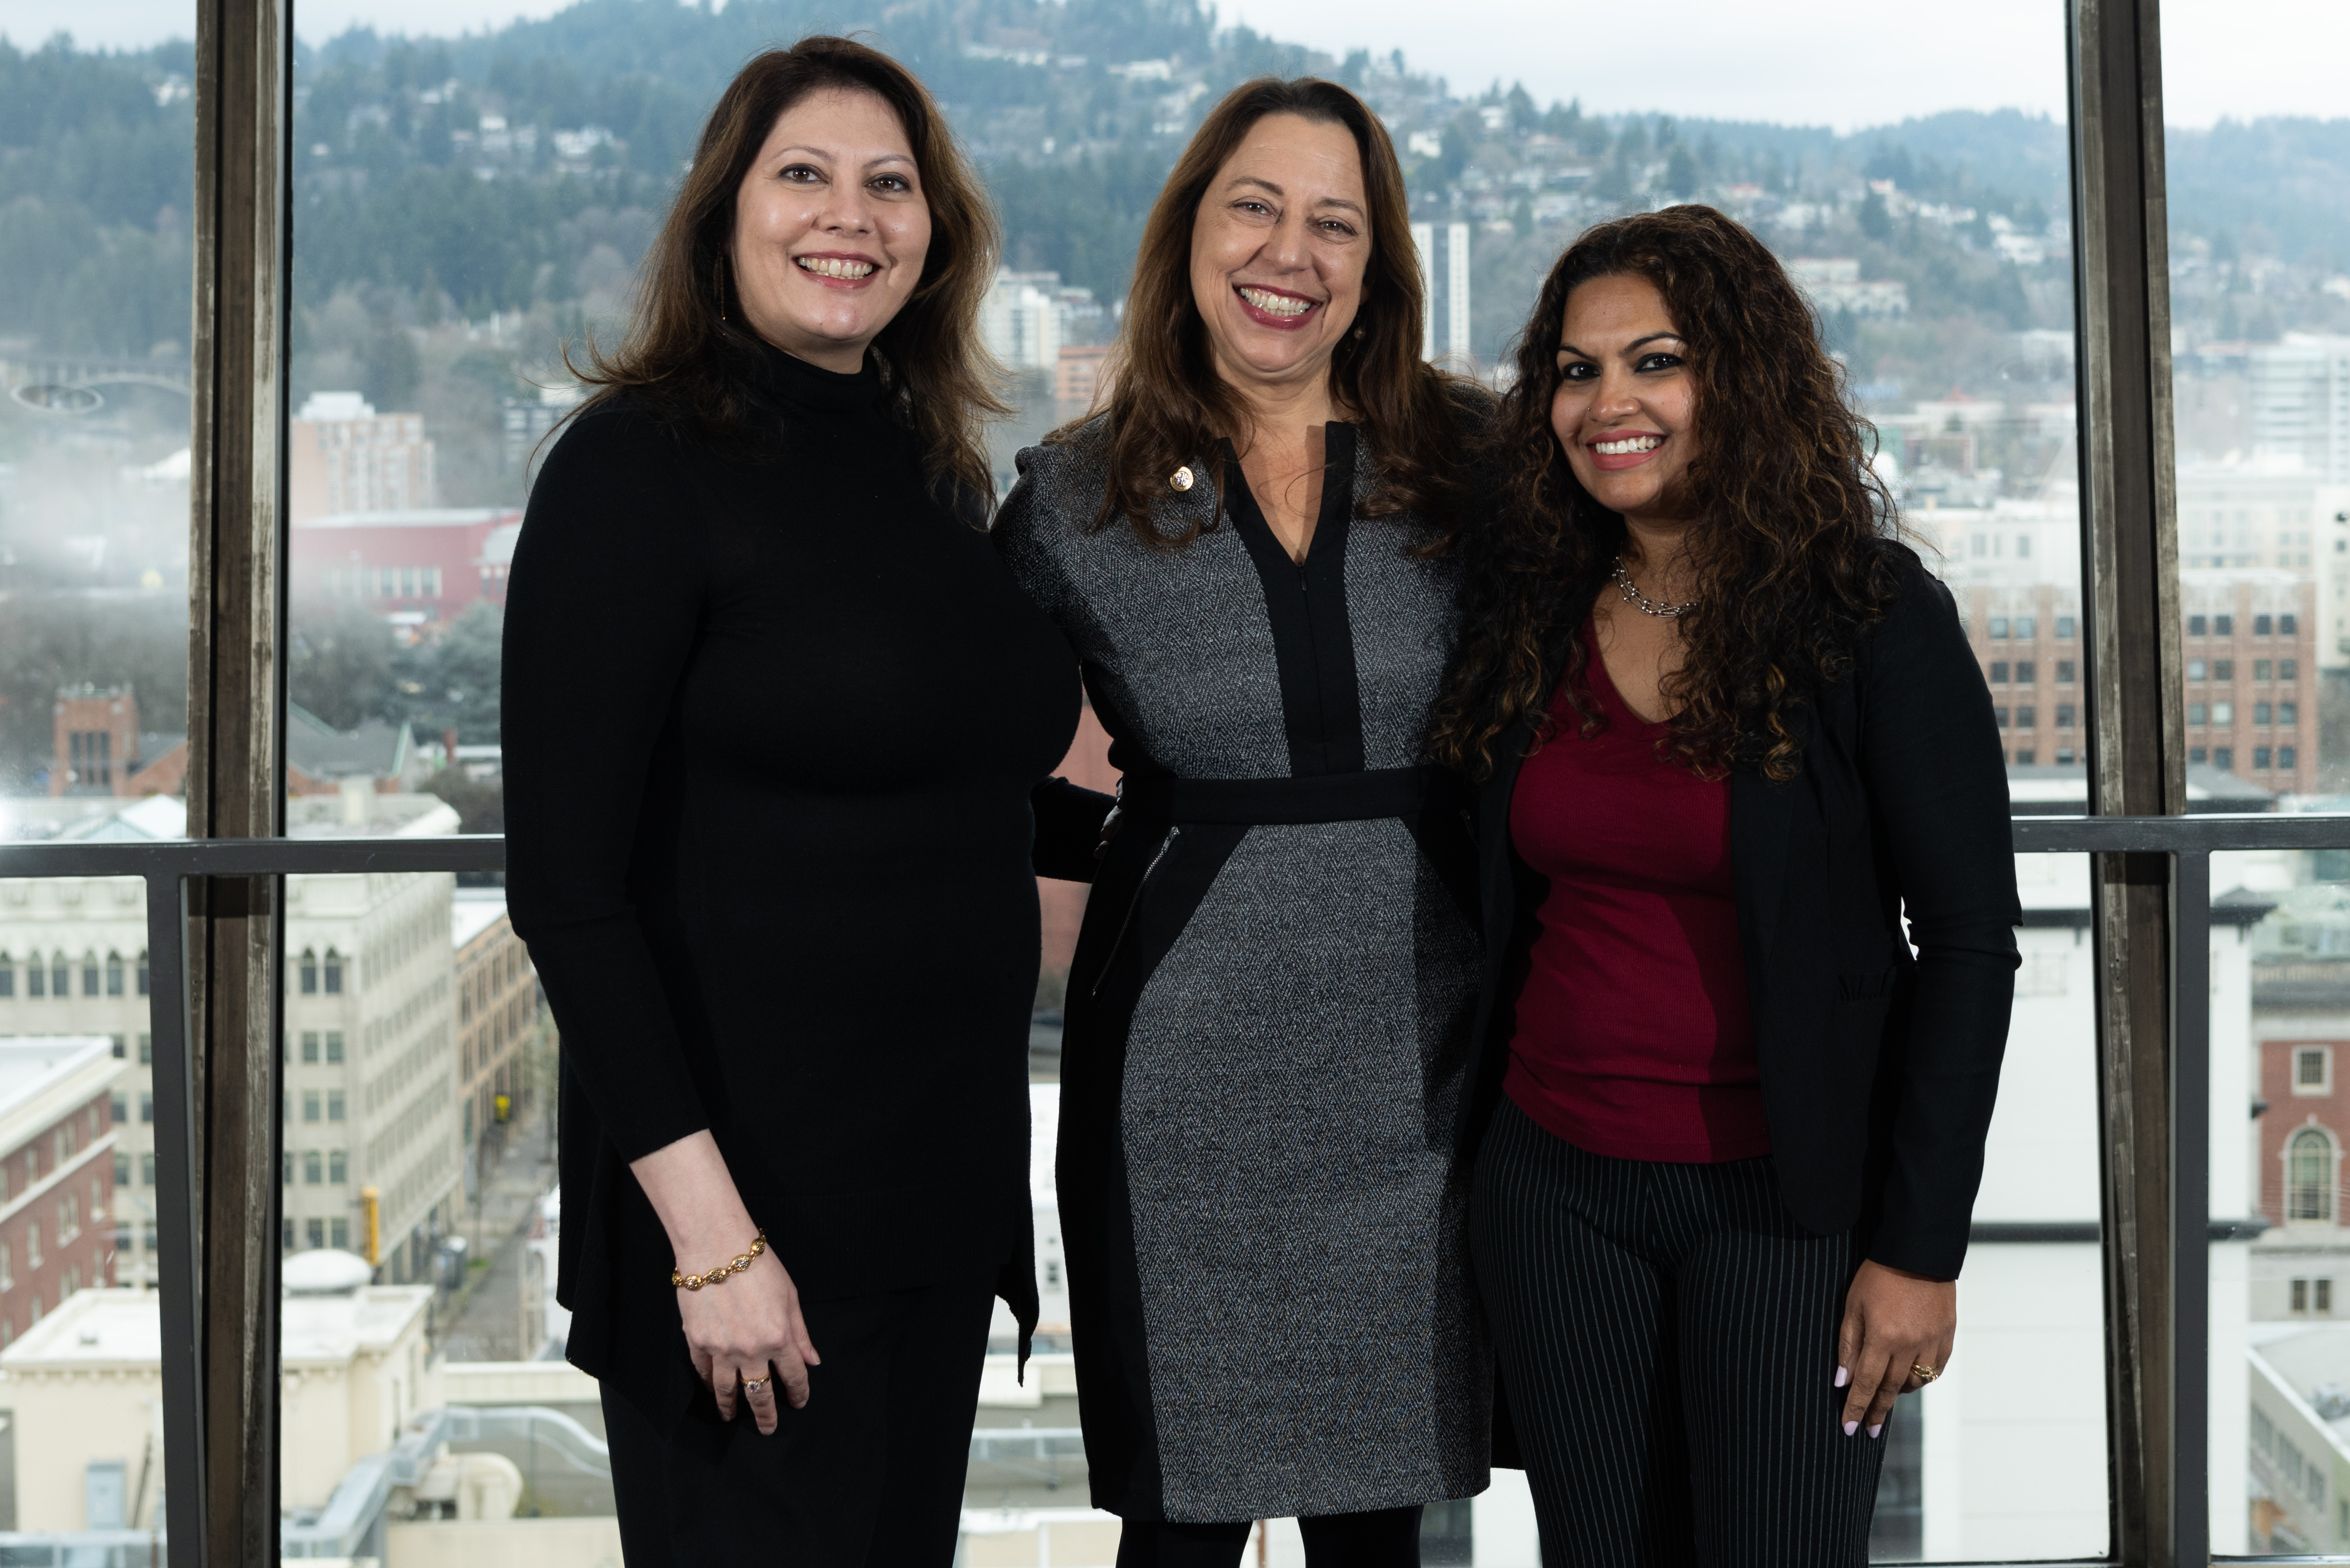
[{"x": 773, "y": 724}]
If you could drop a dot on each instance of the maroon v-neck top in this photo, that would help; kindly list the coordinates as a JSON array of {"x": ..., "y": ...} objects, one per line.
[{"x": 1633, "y": 1036}]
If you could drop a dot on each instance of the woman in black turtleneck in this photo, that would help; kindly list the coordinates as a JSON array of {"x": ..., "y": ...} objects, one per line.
[{"x": 774, "y": 715}]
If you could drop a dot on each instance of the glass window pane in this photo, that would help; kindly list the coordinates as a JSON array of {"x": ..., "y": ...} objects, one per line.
[
  {"x": 465, "y": 206},
  {"x": 425, "y": 372},
  {"x": 96, "y": 205},
  {"x": 2260, "y": 310},
  {"x": 2261, "y": 342}
]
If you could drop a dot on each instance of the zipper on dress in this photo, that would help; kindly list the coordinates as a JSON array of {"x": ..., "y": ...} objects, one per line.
[{"x": 1127, "y": 923}]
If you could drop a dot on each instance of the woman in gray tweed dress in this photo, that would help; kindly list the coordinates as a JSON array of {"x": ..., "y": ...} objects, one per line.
[{"x": 1260, "y": 1173}]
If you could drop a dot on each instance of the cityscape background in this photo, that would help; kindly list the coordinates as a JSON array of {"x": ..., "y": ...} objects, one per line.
[{"x": 467, "y": 204}]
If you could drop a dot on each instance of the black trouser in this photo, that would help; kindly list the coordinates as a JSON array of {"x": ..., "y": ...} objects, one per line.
[
  {"x": 868, "y": 1474},
  {"x": 1387, "y": 1538},
  {"x": 1668, "y": 1341}
]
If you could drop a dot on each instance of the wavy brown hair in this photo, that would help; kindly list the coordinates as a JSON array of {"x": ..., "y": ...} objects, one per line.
[
  {"x": 1168, "y": 407},
  {"x": 1790, "y": 544},
  {"x": 682, "y": 354}
]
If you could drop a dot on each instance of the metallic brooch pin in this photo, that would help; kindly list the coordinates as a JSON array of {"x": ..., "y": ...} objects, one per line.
[{"x": 1180, "y": 478}]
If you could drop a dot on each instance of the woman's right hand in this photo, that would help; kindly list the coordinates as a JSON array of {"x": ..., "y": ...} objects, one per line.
[
  {"x": 746, "y": 1334},
  {"x": 743, "y": 1331}
]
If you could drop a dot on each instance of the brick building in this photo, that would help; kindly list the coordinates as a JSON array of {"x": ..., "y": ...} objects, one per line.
[
  {"x": 2301, "y": 1103},
  {"x": 2251, "y": 641},
  {"x": 100, "y": 751},
  {"x": 56, "y": 1173},
  {"x": 498, "y": 1015},
  {"x": 432, "y": 563},
  {"x": 343, "y": 456}
]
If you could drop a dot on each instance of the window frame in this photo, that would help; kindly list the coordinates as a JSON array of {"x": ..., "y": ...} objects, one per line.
[{"x": 215, "y": 909}]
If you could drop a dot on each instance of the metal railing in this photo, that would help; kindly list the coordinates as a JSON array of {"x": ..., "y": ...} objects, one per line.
[{"x": 166, "y": 867}]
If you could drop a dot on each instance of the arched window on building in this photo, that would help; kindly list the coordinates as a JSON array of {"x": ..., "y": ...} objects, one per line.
[
  {"x": 2309, "y": 1175},
  {"x": 309, "y": 972},
  {"x": 89, "y": 975},
  {"x": 334, "y": 973},
  {"x": 114, "y": 974},
  {"x": 60, "y": 977},
  {"x": 145, "y": 978}
]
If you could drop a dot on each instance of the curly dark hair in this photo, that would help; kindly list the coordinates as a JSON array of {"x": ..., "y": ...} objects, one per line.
[{"x": 1790, "y": 547}]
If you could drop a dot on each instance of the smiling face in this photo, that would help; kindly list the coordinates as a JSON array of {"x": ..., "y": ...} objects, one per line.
[
  {"x": 1626, "y": 406},
  {"x": 831, "y": 228},
  {"x": 1278, "y": 252}
]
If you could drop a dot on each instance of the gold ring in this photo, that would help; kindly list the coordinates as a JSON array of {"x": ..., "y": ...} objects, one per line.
[
  {"x": 1923, "y": 1372},
  {"x": 750, "y": 1383}
]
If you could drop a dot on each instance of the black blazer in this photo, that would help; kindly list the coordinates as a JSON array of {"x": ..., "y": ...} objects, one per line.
[{"x": 1878, "y": 1068}]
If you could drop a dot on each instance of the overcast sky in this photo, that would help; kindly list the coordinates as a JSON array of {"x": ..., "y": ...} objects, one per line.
[{"x": 1846, "y": 63}]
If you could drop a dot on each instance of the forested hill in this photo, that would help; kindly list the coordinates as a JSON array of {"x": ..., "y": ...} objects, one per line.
[{"x": 526, "y": 165}]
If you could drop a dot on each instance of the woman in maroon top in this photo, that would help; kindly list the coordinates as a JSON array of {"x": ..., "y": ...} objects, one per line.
[{"x": 1730, "y": 736}]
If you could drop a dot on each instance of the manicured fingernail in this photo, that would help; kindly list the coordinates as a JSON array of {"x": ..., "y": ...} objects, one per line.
[
  {"x": 1878, "y": 1430},
  {"x": 1850, "y": 1428},
  {"x": 1844, "y": 1376}
]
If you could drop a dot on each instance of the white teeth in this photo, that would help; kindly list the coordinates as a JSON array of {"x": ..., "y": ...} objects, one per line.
[
  {"x": 1630, "y": 443},
  {"x": 1276, "y": 303},
  {"x": 827, "y": 266}
]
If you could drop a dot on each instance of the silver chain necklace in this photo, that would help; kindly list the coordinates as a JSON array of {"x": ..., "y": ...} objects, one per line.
[{"x": 1642, "y": 602}]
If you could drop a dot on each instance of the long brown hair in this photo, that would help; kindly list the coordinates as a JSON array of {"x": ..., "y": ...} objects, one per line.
[
  {"x": 686, "y": 348},
  {"x": 1790, "y": 542},
  {"x": 1168, "y": 406}
]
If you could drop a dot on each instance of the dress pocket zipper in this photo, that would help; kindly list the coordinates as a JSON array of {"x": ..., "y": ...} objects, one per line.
[{"x": 1126, "y": 924}]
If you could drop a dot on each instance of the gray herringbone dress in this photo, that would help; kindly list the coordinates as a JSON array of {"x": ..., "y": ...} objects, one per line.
[{"x": 1268, "y": 1024}]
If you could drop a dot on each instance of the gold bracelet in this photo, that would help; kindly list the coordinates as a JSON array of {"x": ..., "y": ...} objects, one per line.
[{"x": 724, "y": 1270}]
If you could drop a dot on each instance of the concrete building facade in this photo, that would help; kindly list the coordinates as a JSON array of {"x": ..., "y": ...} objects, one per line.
[
  {"x": 1020, "y": 319},
  {"x": 372, "y": 1157},
  {"x": 2301, "y": 402},
  {"x": 370, "y": 1063},
  {"x": 85, "y": 1389}
]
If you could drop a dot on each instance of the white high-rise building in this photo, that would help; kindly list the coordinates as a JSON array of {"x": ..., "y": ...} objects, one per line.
[
  {"x": 1447, "y": 294},
  {"x": 2301, "y": 403},
  {"x": 1020, "y": 319},
  {"x": 1456, "y": 293}
]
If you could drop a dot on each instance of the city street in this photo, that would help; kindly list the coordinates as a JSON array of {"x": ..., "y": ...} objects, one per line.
[{"x": 481, "y": 1321}]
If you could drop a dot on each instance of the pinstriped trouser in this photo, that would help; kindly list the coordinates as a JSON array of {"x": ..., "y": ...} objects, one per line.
[{"x": 1666, "y": 1335}]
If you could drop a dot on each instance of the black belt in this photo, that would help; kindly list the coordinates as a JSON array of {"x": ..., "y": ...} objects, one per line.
[{"x": 1321, "y": 797}]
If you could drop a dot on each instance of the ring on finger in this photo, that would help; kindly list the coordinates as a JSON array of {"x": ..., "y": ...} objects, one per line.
[
  {"x": 751, "y": 1385},
  {"x": 1923, "y": 1372}
]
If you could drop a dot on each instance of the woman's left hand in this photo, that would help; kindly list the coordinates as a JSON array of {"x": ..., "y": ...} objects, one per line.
[{"x": 1893, "y": 1322}]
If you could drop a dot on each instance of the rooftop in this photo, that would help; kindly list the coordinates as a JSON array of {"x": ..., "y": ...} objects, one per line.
[
  {"x": 316, "y": 748},
  {"x": 93, "y": 1328},
  {"x": 382, "y": 815},
  {"x": 471, "y": 911},
  {"x": 418, "y": 517},
  {"x": 122, "y": 1328},
  {"x": 2052, "y": 790},
  {"x": 32, "y": 1062}
]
